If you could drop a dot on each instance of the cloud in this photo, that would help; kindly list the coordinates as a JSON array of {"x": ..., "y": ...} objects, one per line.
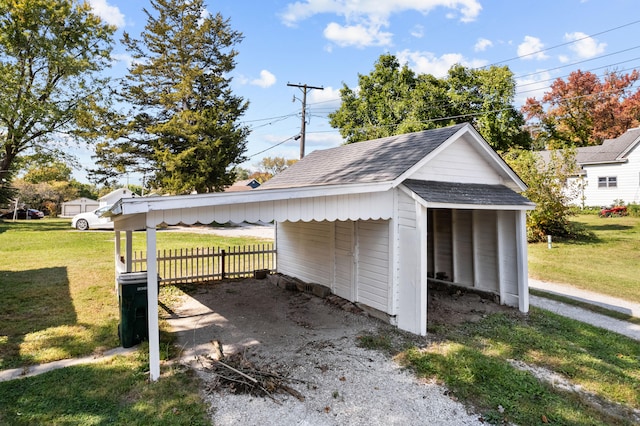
[
  {"x": 126, "y": 58},
  {"x": 532, "y": 86},
  {"x": 365, "y": 19},
  {"x": 266, "y": 79},
  {"x": 584, "y": 46},
  {"x": 428, "y": 63},
  {"x": 417, "y": 31},
  {"x": 110, "y": 14},
  {"x": 357, "y": 35},
  {"x": 530, "y": 49},
  {"x": 328, "y": 98},
  {"x": 482, "y": 44}
]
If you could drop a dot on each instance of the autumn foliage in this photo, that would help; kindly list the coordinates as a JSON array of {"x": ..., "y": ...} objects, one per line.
[{"x": 584, "y": 110}]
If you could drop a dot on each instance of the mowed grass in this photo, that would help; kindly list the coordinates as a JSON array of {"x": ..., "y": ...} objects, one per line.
[
  {"x": 58, "y": 288},
  {"x": 59, "y": 302},
  {"x": 608, "y": 264}
]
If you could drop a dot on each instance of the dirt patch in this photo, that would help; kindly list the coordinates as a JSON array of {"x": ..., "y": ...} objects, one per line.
[{"x": 314, "y": 342}]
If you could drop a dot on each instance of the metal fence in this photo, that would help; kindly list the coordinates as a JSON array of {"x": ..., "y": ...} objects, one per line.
[{"x": 209, "y": 263}]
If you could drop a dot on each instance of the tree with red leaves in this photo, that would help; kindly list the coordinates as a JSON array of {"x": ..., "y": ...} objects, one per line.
[{"x": 583, "y": 110}]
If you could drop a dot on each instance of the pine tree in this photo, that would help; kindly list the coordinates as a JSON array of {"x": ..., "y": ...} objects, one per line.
[{"x": 183, "y": 127}]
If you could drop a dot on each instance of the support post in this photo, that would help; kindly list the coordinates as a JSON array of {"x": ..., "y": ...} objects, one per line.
[
  {"x": 303, "y": 127},
  {"x": 523, "y": 268},
  {"x": 152, "y": 304}
]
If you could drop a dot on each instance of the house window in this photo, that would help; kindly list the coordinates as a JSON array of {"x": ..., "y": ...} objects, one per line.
[{"x": 607, "y": 181}]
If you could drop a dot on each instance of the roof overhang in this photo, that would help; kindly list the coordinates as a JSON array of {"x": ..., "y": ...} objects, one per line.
[
  {"x": 335, "y": 202},
  {"x": 470, "y": 196}
]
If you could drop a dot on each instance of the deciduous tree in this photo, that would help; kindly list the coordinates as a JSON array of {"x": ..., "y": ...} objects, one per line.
[
  {"x": 583, "y": 110},
  {"x": 393, "y": 99},
  {"x": 183, "y": 125},
  {"x": 51, "y": 56}
]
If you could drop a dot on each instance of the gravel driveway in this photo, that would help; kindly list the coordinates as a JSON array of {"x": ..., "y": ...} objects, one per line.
[{"x": 312, "y": 340}]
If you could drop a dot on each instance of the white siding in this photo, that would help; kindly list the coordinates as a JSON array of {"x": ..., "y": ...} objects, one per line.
[
  {"x": 485, "y": 250},
  {"x": 628, "y": 180},
  {"x": 305, "y": 251},
  {"x": 442, "y": 244},
  {"x": 459, "y": 162},
  {"x": 344, "y": 284},
  {"x": 373, "y": 264},
  {"x": 462, "y": 238},
  {"x": 508, "y": 256}
]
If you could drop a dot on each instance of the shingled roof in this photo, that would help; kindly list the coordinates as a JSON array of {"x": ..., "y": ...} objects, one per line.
[
  {"x": 378, "y": 160},
  {"x": 610, "y": 151},
  {"x": 466, "y": 193}
]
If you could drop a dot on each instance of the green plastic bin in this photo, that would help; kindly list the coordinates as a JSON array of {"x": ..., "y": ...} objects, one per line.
[{"x": 132, "y": 300}]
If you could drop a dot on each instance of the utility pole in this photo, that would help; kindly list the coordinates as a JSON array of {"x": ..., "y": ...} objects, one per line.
[{"x": 305, "y": 88}]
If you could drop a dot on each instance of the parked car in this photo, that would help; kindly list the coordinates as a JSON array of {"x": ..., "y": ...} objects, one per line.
[
  {"x": 92, "y": 220},
  {"x": 22, "y": 214}
]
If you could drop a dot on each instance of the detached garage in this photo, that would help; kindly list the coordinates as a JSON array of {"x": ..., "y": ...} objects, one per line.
[{"x": 373, "y": 221}]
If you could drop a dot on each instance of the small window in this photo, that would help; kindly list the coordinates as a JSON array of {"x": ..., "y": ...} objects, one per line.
[{"x": 607, "y": 181}]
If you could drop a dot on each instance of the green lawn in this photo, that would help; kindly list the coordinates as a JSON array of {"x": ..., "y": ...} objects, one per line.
[
  {"x": 610, "y": 264},
  {"x": 59, "y": 302}
]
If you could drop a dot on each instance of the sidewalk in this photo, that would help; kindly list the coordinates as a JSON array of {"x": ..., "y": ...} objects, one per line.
[
  {"x": 622, "y": 327},
  {"x": 34, "y": 370}
]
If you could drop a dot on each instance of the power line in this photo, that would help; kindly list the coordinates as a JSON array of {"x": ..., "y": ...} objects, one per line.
[{"x": 564, "y": 44}]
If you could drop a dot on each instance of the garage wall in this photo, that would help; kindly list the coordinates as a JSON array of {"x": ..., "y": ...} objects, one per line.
[
  {"x": 508, "y": 246},
  {"x": 373, "y": 270},
  {"x": 485, "y": 250},
  {"x": 305, "y": 251}
]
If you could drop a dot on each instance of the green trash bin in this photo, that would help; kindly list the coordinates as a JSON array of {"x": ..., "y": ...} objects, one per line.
[{"x": 132, "y": 300}]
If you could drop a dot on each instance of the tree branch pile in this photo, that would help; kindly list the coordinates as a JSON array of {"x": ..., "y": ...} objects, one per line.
[{"x": 236, "y": 374}]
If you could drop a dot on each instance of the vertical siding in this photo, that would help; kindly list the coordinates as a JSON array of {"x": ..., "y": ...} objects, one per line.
[
  {"x": 305, "y": 251},
  {"x": 459, "y": 162},
  {"x": 373, "y": 264},
  {"x": 344, "y": 285},
  {"x": 462, "y": 228},
  {"x": 508, "y": 249},
  {"x": 485, "y": 250},
  {"x": 443, "y": 247}
]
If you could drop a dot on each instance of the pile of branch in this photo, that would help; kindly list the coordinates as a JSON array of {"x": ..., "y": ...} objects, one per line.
[{"x": 236, "y": 374}]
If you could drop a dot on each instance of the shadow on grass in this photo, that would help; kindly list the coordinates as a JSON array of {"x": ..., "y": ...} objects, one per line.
[
  {"x": 34, "y": 225},
  {"x": 33, "y": 301}
]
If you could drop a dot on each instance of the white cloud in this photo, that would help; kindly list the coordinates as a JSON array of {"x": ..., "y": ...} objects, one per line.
[
  {"x": 428, "y": 63},
  {"x": 123, "y": 57},
  {"x": 110, "y": 14},
  {"x": 530, "y": 48},
  {"x": 584, "y": 46},
  {"x": 266, "y": 79},
  {"x": 326, "y": 99},
  {"x": 482, "y": 44},
  {"x": 364, "y": 19},
  {"x": 417, "y": 31},
  {"x": 357, "y": 35}
]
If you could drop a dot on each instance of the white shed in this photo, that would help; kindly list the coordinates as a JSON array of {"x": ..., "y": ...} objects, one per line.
[{"x": 373, "y": 221}]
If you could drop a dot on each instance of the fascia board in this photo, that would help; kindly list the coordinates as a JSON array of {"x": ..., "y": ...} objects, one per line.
[{"x": 144, "y": 205}]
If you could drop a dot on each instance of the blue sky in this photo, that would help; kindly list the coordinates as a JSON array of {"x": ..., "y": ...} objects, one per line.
[{"x": 328, "y": 43}]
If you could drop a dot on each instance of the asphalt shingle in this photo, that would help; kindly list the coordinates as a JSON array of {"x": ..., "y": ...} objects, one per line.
[{"x": 466, "y": 193}]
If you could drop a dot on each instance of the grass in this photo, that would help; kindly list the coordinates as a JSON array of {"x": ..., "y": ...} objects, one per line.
[
  {"x": 59, "y": 302},
  {"x": 482, "y": 365},
  {"x": 607, "y": 264}
]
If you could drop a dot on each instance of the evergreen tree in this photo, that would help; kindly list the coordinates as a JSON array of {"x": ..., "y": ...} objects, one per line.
[{"x": 182, "y": 130}]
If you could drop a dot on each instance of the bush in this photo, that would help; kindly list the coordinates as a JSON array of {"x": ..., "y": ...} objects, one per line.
[{"x": 633, "y": 209}]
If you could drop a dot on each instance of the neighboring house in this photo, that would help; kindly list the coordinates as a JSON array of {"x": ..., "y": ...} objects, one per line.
[
  {"x": 77, "y": 206},
  {"x": 114, "y": 196},
  {"x": 373, "y": 221},
  {"x": 610, "y": 172},
  {"x": 243, "y": 185}
]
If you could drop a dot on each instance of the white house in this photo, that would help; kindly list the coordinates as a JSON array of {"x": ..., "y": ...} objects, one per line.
[
  {"x": 610, "y": 171},
  {"x": 373, "y": 221}
]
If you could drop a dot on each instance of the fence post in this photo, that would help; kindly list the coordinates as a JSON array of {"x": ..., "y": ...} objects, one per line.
[{"x": 222, "y": 255}]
